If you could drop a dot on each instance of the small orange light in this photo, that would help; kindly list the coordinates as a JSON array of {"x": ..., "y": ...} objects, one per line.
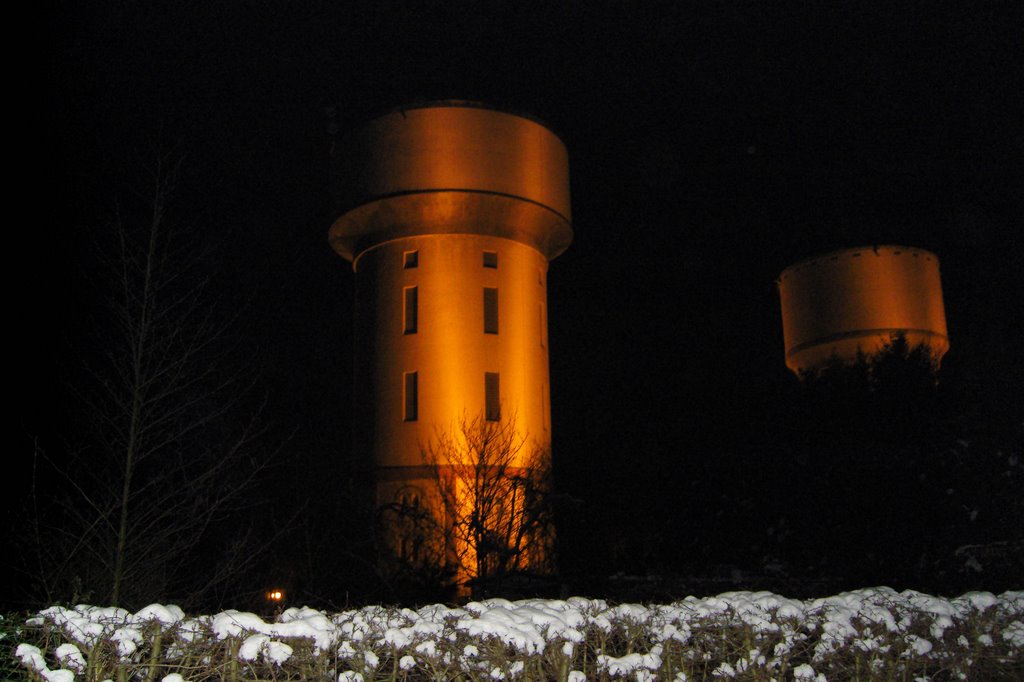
[{"x": 275, "y": 595}]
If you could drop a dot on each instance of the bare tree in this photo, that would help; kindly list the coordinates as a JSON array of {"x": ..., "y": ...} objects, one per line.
[
  {"x": 493, "y": 500},
  {"x": 164, "y": 460},
  {"x": 413, "y": 559}
]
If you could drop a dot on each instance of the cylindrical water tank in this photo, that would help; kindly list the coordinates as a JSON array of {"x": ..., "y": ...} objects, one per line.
[
  {"x": 452, "y": 167},
  {"x": 856, "y": 300}
]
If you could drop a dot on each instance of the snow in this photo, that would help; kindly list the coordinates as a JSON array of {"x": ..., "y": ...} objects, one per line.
[
  {"x": 803, "y": 673},
  {"x": 32, "y": 658},
  {"x": 277, "y": 652},
  {"x": 128, "y": 640},
  {"x": 398, "y": 637},
  {"x": 70, "y": 657},
  {"x": 306, "y": 623},
  {"x": 503, "y": 621},
  {"x": 919, "y": 645},
  {"x": 1014, "y": 634},
  {"x": 83, "y": 624},
  {"x": 629, "y": 663},
  {"x": 233, "y": 623},
  {"x": 168, "y": 615},
  {"x": 724, "y": 670},
  {"x": 872, "y": 621},
  {"x": 251, "y": 647}
]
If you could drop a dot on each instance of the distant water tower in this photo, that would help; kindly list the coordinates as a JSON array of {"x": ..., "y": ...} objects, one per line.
[
  {"x": 449, "y": 212},
  {"x": 855, "y": 300}
]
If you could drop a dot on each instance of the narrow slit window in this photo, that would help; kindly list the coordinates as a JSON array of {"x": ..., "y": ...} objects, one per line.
[
  {"x": 492, "y": 397},
  {"x": 490, "y": 310},
  {"x": 411, "y": 396},
  {"x": 411, "y": 312},
  {"x": 411, "y": 259},
  {"x": 490, "y": 259}
]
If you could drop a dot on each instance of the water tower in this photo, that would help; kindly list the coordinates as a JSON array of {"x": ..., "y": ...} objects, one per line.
[
  {"x": 449, "y": 212},
  {"x": 856, "y": 300}
]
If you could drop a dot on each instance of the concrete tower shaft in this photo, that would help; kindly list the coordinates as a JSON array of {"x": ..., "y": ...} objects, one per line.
[
  {"x": 449, "y": 213},
  {"x": 856, "y": 299}
]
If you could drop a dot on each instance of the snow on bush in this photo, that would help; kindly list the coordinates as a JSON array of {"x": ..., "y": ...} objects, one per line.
[{"x": 737, "y": 635}]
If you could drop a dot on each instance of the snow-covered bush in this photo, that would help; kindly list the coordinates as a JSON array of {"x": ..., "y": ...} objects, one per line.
[{"x": 865, "y": 634}]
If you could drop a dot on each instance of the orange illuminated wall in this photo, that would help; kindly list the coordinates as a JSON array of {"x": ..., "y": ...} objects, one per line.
[
  {"x": 856, "y": 300},
  {"x": 450, "y": 213}
]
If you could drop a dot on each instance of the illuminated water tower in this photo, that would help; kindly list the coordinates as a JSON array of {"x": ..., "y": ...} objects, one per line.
[
  {"x": 856, "y": 300},
  {"x": 449, "y": 212}
]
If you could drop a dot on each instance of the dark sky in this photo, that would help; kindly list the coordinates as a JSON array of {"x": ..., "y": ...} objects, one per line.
[{"x": 711, "y": 145}]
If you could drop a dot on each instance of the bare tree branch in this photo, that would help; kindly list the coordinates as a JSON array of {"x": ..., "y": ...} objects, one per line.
[
  {"x": 165, "y": 463},
  {"x": 488, "y": 516}
]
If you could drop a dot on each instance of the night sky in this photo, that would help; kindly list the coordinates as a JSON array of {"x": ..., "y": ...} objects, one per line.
[{"x": 711, "y": 145}]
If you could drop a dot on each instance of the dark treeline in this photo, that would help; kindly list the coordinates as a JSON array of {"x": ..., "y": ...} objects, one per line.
[{"x": 882, "y": 471}]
